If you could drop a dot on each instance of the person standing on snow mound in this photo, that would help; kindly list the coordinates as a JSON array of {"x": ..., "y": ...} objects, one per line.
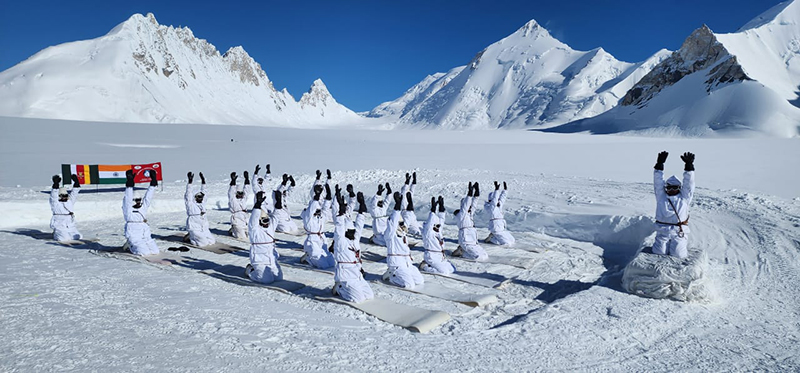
[
  {"x": 237, "y": 203},
  {"x": 61, "y": 203},
  {"x": 672, "y": 207},
  {"x": 380, "y": 206},
  {"x": 349, "y": 279},
  {"x": 263, "y": 265},
  {"x": 402, "y": 271},
  {"x": 433, "y": 240},
  {"x": 498, "y": 234},
  {"x": 280, "y": 212},
  {"x": 314, "y": 218},
  {"x": 196, "y": 222},
  {"x": 468, "y": 247},
  {"x": 134, "y": 210}
]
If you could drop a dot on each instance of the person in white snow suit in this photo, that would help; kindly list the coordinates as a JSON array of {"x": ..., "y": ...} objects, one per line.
[
  {"x": 280, "y": 211},
  {"x": 409, "y": 217},
  {"x": 237, "y": 203},
  {"x": 494, "y": 206},
  {"x": 314, "y": 218},
  {"x": 401, "y": 271},
  {"x": 262, "y": 184},
  {"x": 380, "y": 206},
  {"x": 263, "y": 265},
  {"x": 134, "y": 210},
  {"x": 349, "y": 278},
  {"x": 62, "y": 203},
  {"x": 673, "y": 199},
  {"x": 196, "y": 222},
  {"x": 468, "y": 247},
  {"x": 433, "y": 241}
]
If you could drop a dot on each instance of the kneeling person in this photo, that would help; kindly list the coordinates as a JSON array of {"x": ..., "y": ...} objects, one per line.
[
  {"x": 350, "y": 283},
  {"x": 263, "y": 265},
  {"x": 134, "y": 209}
]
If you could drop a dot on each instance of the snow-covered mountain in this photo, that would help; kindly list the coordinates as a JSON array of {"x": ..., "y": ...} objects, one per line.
[
  {"x": 739, "y": 83},
  {"x": 526, "y": 79},
  {"x": 145, "y": 72}
]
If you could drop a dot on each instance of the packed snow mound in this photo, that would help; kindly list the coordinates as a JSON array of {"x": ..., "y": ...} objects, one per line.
[
  {"x": 526, "y": 79},
  {"x": 142, "y": 71},
  {"x": 664, "y": 276}
]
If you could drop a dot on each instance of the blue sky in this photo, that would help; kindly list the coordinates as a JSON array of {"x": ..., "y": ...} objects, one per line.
[{"x": 368, "y": 52}]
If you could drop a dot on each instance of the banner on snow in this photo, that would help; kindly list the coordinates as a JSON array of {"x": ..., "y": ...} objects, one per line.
[{"x": 109, "y": 174}]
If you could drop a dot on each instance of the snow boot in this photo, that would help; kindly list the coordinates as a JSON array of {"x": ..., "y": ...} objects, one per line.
[
  {"x": 247, "y": 270},
  {"x": 335, "y": 289},
  {"x": 423, "y": 266},
  {"x": 386, "y": 275},
  {"x": 459, "y": 252},
  {"x": 126, "y": 247},
  {"x": 186, "y": 238},
  {"x": 489, "y": 238},
  {"x": 304, "y": 259}
]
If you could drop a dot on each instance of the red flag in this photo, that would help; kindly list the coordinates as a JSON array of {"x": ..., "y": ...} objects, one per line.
[{"x": 144, "y": 177}]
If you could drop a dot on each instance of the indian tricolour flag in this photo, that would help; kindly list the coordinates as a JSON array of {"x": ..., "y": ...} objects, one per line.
[{"x": 106, "y": 174}]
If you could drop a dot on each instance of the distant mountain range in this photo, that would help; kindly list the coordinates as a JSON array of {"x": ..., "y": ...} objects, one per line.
[{"x": 739, "y": 84}]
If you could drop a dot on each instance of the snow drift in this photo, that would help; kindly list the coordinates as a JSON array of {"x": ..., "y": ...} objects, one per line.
[
  {"x": 663, "y": 276},
  {"x": 145, "y": 72}
]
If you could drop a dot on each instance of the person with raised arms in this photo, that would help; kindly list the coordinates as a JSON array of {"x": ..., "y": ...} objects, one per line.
[
  {"x": 134, "y": 210},
  {"x": 263, "y": 265},
  {"x": 62, "y": 205},
  {"x": 314, "y": 218},
  {"x": 673, "y": 199},
  {"x": 237, "y": 203},
  {"x": 401, "y": 271},
  {"x": 409, "y": 217},
  {"x": 196, "y": 222},
  {"x": 494, "y": 206},
  {"x": 280, "y": 212},
  {"x": 349, "y": 278},
  {"x": 435, "y": 260},
  {"x": 468, "y": 247},
  {"x": 380, "y": 206}
]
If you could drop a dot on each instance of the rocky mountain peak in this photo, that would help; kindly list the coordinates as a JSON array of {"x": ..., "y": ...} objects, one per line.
[{"x": 317, "y": 95}]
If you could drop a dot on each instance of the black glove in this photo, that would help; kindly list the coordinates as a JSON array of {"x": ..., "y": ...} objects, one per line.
[
  {"x": 202, "y": 178},
  {"x": 258, "y": 168},
  {"x": 190, "y": 176},
  {"x": 268, "y": 170},
  {"x": 328, "y": 172},
  {"x": 291, "y": 181},
  {"x": 408, "y": 178},
  {"x": 414, "y": 177},
  {"x": 317, "y": 192},
  {"x": 233, "y": 178},
  {"x": 278, "y": 196},
  {"x": 398, "y": 199},
  {"x": 342, "y": 205},
  {"x": 327, "y": 192},
  {"x": 153, "y": 178},
  {"x": 246, "y": 178},
  {"x": 380, "y": 189},
  {"x": 662, "y": 157},
  {"x": 129, "y": 179},
  {"x": 688, "y": 159},
  {"x": 284, "y": 179},
  {"x": 56, "y": 181},
  {"x": 260, "y": 198},
  {"x": 410, "y": 206},
  {"x": 362, "y": 206},
  {"x": 505, "y": 186},
  {"x": 319, "y": 174},
  {"x": 469, "y": 193},
  {"x": 441, "y": 204},
  {"x": 350, "y": 191},
  {"x": 477, "y": 190},
  {"x": 433, "y": 204},
  {"x": 388, "y": 188},
  {"x": 496, "y": 185},
  {"x": 76, "y": 184}
]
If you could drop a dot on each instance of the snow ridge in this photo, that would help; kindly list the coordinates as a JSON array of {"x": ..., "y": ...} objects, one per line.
[{"x": 142, "y": 71}]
